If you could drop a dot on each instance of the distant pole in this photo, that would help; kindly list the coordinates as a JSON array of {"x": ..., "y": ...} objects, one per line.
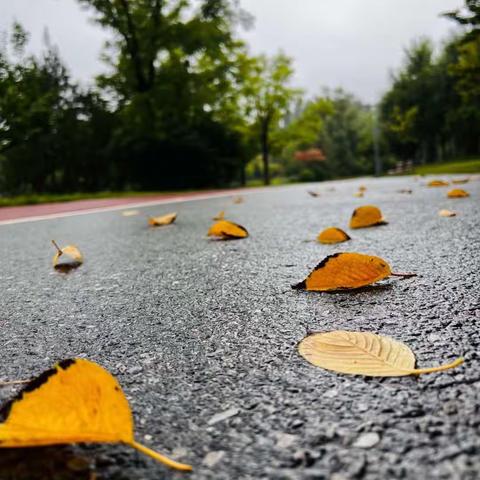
[{"x": 377, "y": 161}]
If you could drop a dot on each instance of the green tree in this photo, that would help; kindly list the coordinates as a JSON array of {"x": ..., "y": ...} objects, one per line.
[{"x": 267, "y": 98}]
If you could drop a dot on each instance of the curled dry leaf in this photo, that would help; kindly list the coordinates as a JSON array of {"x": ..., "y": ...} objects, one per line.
[
  {"x": 313, "y": 193},
  {"x": 66, "y": 258},
  {"x": 219, "y": 216},
  {"x": 226, "y": 230},
  {"x": 162, "y": 220},
  {"x": 345, "y": 271},
  {"x": 457, "y": 193},
  {"x": 75, "y": 401},
  {"x": 367, "y": 216},
  {"x": 447, "y": 213},
  {"x": 332, "y": 235},
  {"x": 130, "y": 213},
  {"x": 363, "y": 353},
  {"x": 437, "y": 183},
  {"x": 238, "y": 200},
  {"x": 460, "y": 181},
  {"x": 362, "y": 188}
]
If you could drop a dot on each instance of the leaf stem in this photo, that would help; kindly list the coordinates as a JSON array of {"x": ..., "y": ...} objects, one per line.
[
  {"x": 59, "y": 250},
  {"x": 403, "y": 275},
  {"x": 159, "y": 457},
  {"x": 441, "y": 368},
  {"x": 12, "y": 382}
]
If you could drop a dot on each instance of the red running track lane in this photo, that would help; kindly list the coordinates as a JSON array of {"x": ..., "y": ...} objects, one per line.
[{"x": 44, "y": 210}]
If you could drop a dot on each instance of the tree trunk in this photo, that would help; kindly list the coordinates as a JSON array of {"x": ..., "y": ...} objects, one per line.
[{"x": 265, "y": 151}]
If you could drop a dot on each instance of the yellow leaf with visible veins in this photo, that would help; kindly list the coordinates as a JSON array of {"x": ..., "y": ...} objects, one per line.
[
  {"x": 366, "y": 216},
  {"x": 457, "y": 193},
  {"x": 332, "y": 235},
  {"x": 75, "y": 401},
  {"x": 363, "y": 353},
  {"x": 162, "y": 220},
  {"x": 345, "y": 271},
  {"x": 227, "y": 230}
]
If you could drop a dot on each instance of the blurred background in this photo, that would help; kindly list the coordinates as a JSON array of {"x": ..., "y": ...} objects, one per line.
[{"x": 155, "y": 95}]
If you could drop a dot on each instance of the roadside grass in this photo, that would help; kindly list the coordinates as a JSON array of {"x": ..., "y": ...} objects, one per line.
[{"x": 460, "y": 166}]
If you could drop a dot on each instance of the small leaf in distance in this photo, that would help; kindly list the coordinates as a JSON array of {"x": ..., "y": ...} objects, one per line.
[
  {"x": 77, "y": 401},
  {"x": 130, "y": 213},
  {"x": 342, "y": 271},
  {"x": 460, "y": 181},
  {"x": 358, "y": 194},
  {"x": 437, "y": 183},
  {"x": 332, "y": 235},
  {"x": 226, "y": 230},
  {"x": 447, "y": 213},
  {"x": 219, "y": 216},
  {"x": 362, "y": 188},
  {"x": 367, "y": 216},
  {"x": 404, "y": 190},
  {"x": 162, "y": 220},
  {"x": 238, "y": 200},
  {"x": 66, "y": 258},
  {"x": 457, "y": 193},
  {"x": 363, "y": 353},
  {"x": 312, "y": 193}
]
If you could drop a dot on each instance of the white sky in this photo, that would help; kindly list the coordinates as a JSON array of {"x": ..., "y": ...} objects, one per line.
[{"x": 349, "y": 43}]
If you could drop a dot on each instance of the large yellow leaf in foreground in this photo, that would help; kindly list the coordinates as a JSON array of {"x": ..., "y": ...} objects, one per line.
[
  {"x": 366, "y": 216},
  {"x": 227, "y": 230},
  {"x": 75, "y": 401},
  {"x": 345, "y": 271},
  {"x": 363, "y": 353}
]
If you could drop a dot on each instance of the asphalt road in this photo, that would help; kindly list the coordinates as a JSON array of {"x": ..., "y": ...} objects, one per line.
[{"x": 202, "y": 336}]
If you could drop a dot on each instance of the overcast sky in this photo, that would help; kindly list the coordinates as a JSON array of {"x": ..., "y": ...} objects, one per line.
[{"x": 349, "y": 43}]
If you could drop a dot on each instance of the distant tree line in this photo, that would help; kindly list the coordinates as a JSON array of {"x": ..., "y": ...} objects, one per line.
[{"x": 184, "y": 105}]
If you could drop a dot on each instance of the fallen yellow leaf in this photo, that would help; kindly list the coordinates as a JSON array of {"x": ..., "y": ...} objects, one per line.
[
  {"x": 457, "y": 193},
  {"x": 227, "y": 230},
  {"x": 447, "y": 213},
  {"x": 332, "y": 235},
  {"x": 367, "y": 216},
  {"x": 363, "y": 353},
  {"x": 130, "y": 213},
  {"x": 66, "y": 258},
  {"x": 358, "y": 194},
  {"x": 219, "y": 216},
  {"x": 163, "y": 220},
  {"x": 345, "y": 271},
  {"x": 74, "y": 402},
  {"x": 437, "y": 183},
  {"x": 362, "y": 188},
  {"x": 238, "y": 200}
]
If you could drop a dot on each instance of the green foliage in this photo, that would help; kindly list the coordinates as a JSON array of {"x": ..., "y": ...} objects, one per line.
[
  {"x": 459, "y": 166},
  {"x": 432, "y": 110}
]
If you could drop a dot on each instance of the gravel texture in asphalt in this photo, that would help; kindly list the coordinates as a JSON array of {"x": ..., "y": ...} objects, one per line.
[{"x": 202, "y": 336}]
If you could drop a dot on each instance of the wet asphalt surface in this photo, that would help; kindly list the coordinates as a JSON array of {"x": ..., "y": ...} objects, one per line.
[{"x": 202, "y": 336}]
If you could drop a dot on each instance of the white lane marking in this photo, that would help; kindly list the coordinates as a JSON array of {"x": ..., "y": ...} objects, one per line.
[{"x": 150, "y": 203}]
